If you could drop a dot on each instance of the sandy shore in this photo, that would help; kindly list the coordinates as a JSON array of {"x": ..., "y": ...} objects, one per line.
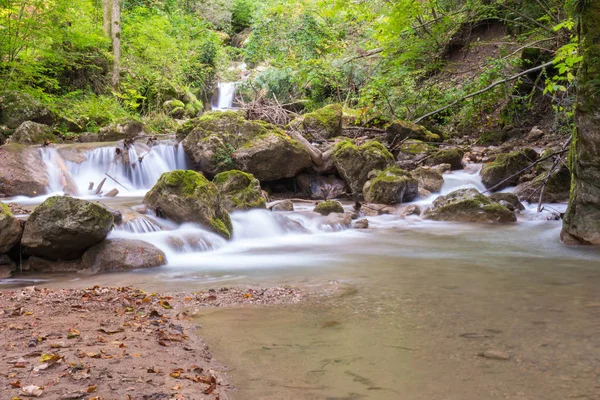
[{"x": 115, "y": 343}]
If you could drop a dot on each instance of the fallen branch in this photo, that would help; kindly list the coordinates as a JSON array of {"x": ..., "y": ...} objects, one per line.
[
  {"x": 315, "y": 154},
  {"x": 490, "y": 87},
  {"x": 99, "y": 188},
  {"x": 118, "y": 183},
  {"x": 366, "y": 54}
]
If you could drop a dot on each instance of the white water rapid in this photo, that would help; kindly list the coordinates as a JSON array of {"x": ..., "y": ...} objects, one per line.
[{"x": 225, "y": 96}]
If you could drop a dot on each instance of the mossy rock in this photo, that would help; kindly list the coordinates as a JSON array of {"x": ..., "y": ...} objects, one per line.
[
  {"x": 452, "y": 156},
  {"x": 187, "y": 196},
  {"x": 494, "y": 137},
  {"x": 468, "y": 205},
  {"x": 171, "y": 105},
  {"x": 22, "y": 171},
  {"x": 33, "y": 133},
  {"x": 430, "y": 179},
  {"x": 239, "y": 190},
  {"x": 18, "y": 107},
  {"x": 222, "y": 141},
  {"x": 177, "y": 113},
  {"x": 400, "y": 130},
  {"x": 354, "y": 163},
  {"x": 193, "y": 109},
  {"x": 557, "y": 188},
  {"x": 508, "y": 200},
  {"x": 324, "y": 123},
  {"x": 120, "y": 130},
  {"x": 329, "y": 206},
  {"x": 414, "y": 147},
  {"x": 65, "y": 227},
  {"x": 10, "y": 229},
  {"x": 390, "y": 186},
  {"x": 501, "y": 173}
]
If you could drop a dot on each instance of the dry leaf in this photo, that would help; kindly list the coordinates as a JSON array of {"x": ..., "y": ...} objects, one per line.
[
  {"x": 92, "y": 389},
  {"x": 32, "y": 391}
]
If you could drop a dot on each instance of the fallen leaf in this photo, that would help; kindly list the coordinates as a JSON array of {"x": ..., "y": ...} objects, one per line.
[
  {"x": 32, "y": 391},
  {"x": 15, "y": 384},
  {"x": 165, "y": 304},
  {"x": 73, "y": 333},
  {"x": 49, "y": 358},
  {"x": 176, "y": 387},
  {"x": 92, "y": 389},
  {"x": 111, "y": 331}
]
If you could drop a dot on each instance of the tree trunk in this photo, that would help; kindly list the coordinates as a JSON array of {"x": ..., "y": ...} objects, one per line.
[
  {"x": 582, "y": 219},
  {"x": 116, "y": 41},
  {"x": 106, "y": 16}
]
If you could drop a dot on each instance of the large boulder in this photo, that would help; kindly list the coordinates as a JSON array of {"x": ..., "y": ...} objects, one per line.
[
  {"x": 429, "y": 178},
  {"x": 468, "y": 205},
  {"x": 503, "y": 171},
  {"x": 239, "y": 190},
  {"x": 324, "y": 123},
  {"x": 320, "y": 187},
  {"x": 329, "y": 206},
  {"x": 33, "y": 133},
  {"x": 22, "y": 171},
  {"x": 452, "y": 156},
  {"x": 18, "y": 107},
  {"x": 187, "y": 196},
  {"x": 354, "y": 163},
  {"x": 64, "y": 228},
  {"x": 390, "y": 186},
  {"x": 221, "y": 141},
  {"x": 122, "y": 255},
  {"x": 10, "y": 229},
  {"x": 127, "y": 129},
  {"x": 399, "y": 130}
]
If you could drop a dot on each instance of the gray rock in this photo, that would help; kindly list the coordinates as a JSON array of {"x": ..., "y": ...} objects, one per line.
[
  {"x": 33, "y": 133},
  {"x": 239, "y": 190},
  {"x": 283, "y": 205},
  {"x": 18, "y": 107},
  {"x": 468, "y": 205},
  {"x": 320, "y": 187},
  {"x": 122, "y": 255},
  {"x": 361, "y": 224},
  {"x": 11, "y": 229},
  {"x": 391, "y": 186},
  {"x": 429, "y": 178},
  {"x": 22, "y": 172}
]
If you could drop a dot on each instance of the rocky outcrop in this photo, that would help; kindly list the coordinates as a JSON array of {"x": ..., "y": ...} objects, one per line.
[
  {"x": 18, "y": 107},
  {"x": 429, "y": 178},
  {"x": 320, "y": 187},
  {"x": 239, "y": 191},
  {"x": 33, "y": 133},
  {"x": 187, "y": 196},
  {"x": 399, "y": 130},
  {"x": 122, "y": 130},
  {"x": 324, "y": 123},
  {"x": 556, "y": 190},
  {"x": 468, "y": 205},
  {"x": 122, "y": 255},
  {"x": 354, "y": 163},
  {"x": 502, "y": 172},
  {"x": 10, "y": 229},
  {"x": 508, "y": 200},
  {"x": 222, "y": 141},
  {"x": 22, "y": 171},
  {"x": 64, "y": 228},
  {"x": 390, "y": 186},
  {"x": 329, "y": 206},
  {"x": 452, "y": 156}
]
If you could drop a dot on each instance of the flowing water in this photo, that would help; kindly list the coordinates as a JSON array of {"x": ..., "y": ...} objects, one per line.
[
  {"x": 225, "y": 96},
  {"x": 416, "y": 300}
]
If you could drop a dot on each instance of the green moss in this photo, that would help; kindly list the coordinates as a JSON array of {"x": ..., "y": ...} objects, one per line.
[
  {"x": 494, "y": 137},
  {"x": 4, "y": 210},
  {"x": 344, "y": 147},
  {"x": 326, "y": 121},
  {"x": 373, "y": 147},
  {"x": 187, "y": 182},
  {"x": 329, "y": 206},
  {"x": 414, "y": 147},
  {"x": 401, "y": 130},
  {"x": 390, "y": 175},
  {"x": 221, "y": 227}
]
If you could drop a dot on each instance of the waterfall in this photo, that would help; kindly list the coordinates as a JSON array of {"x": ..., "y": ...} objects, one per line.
[
  {"x": 225, "y": 96},
  {"x": 145, "y": 166}
]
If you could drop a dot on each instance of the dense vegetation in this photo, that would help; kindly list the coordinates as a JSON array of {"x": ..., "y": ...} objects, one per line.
[{"x": 385, "y": 59}]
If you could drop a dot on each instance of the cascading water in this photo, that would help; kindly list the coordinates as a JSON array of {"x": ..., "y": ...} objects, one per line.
[{"x": 225, "y": 97}]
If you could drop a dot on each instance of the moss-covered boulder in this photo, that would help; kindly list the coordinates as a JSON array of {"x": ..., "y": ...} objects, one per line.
[
  {"x": 122, "y": 255},
  {"x": 354, "y": 163},
  {"x": 239, "y": 190},
  {"x": 329, "y": 206},
  {"x": 175, "y": 108},
  {"x": 494, "y": 137},
  {"x": 126, "y": 129},
  {"x": 320, "y": 187},
  {"x": 18, "y": 107},
  {"x": 324, "y": 123},
  {"x": 508, "y": 200},
  {"x": 468, "y": 205},
  {"x": 187, "y": 196},
  {"x": 64, "y": 228},
  {"x": 22, "y": 171},
  {"x": 222, "y": 141},
  {"x": 390, "y": 186},
  {"x": 10, "y": 229},
  {"x": 33, "y": 133},
  {"x": 452, "y": 156},
  {"x": 399, "y": 130},
  {"x": 429, "y": 178},
  {"x": 502, "y": 172},
  {"x": 557, "y": 188},
  {"x": 414, "y": 147}
]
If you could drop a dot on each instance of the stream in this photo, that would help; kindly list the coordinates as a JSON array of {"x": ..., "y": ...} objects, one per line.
[{"x": 416, "y": 301}]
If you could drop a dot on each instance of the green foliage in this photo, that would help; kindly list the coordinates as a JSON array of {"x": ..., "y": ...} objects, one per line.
[{"x": 223, "y": 157}]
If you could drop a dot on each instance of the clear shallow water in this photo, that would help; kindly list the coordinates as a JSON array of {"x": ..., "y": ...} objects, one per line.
[{"x": 416, "y": 302}]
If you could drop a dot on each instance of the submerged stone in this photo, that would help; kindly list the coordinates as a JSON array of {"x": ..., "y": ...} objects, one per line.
[
  {"x": 468, "y": 205},
  {"x": 329, "y": 206}
]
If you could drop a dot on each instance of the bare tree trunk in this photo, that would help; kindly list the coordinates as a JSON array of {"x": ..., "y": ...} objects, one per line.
[
  {"x": 116, "y": 40},
  {"x": 106, "y": 16},
  {"x": 582, "y": 219}
]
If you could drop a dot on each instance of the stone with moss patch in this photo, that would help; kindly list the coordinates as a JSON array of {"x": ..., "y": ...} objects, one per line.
[
  {"x": 10, "y": 229},
  {"x": 324, "y": 123},
  {"x": 400, "y": 130},
  {"x": 412, "y": 146},
  {"x": 33, "y": 133},
  {"x": 452, "y": 156},
  {"x": 494, "y": 137},
  {"x": 329, "y": 206},
  {"x": 502, "y": 172},
  {"x": 390, "y": 186},
  {"x": 430, "y": 179},
  {"x": 187, "y": 196},
  {"x": 354, "y": 163},
  {"x": 64, "y": 228},
  {"x": 221, "y": 141},
  {"x": 557, "y": 186},
  {"x": 468, "y": 205},
  {"x": 239, "y": 190},
  {"x": 120, "y": 130},
  {"x": 18, "y": 107}
]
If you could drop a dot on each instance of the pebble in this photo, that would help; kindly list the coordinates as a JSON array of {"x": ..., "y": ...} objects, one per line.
[{"x": 495, "y": 355}]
